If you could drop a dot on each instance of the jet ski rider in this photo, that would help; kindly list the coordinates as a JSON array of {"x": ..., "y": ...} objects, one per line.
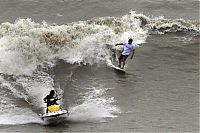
[{"x": 50, "y": 99}]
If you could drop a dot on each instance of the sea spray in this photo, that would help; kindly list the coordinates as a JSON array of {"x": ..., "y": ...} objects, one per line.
[{"x": 27, "y": 46}]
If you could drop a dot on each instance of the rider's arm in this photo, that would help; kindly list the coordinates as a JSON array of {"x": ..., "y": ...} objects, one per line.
[{"x": 45, "y": 99}]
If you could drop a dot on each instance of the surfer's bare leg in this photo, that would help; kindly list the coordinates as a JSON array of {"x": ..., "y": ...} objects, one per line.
[
  {"x": 123, "y": 64},
  {"x": 124, "y": 61},
  {"x": 120, "y": 62}
]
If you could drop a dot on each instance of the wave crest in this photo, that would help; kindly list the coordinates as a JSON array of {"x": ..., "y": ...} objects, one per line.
[{"x": 161, "y": 26}]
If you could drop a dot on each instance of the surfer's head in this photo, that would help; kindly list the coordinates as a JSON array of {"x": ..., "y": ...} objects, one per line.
[
  {"x": 130, "y": 40},
  {"x": 52, "y": 92}
]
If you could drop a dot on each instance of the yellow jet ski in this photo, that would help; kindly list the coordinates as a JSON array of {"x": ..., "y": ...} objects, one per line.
[{"x": 54, "y": 112}]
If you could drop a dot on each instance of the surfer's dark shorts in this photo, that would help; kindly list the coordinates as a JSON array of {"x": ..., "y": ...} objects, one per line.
[{"x": 123, "y": 57}]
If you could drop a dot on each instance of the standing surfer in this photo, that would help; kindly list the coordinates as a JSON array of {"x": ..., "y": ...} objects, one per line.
[{"x": 127, "y": 49}]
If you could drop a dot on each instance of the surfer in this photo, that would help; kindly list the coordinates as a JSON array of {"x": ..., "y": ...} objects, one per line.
[
  {"x": 127, "y": 49},
  {"x": 50, "y": 99}
]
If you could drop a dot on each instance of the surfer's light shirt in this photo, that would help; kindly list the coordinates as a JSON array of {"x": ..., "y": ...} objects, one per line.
[{"x": 128, "y": 48}]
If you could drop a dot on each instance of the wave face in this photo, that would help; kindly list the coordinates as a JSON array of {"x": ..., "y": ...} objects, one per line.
[
  {"x": 29, "y": 49},
  {"x": 25, "y": 44}
]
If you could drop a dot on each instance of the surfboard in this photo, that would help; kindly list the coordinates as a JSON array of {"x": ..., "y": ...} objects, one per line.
[{"x": 117, "y": 68}]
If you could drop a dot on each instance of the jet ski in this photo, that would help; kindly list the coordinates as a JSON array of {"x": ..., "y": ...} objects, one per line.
[{"x": 55, "y": 112}]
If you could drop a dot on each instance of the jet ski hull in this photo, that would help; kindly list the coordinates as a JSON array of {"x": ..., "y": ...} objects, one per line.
[{"x": 54, "y": 116}]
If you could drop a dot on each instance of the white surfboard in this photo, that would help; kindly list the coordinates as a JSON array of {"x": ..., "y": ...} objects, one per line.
[{"x": 117, "y": 68}]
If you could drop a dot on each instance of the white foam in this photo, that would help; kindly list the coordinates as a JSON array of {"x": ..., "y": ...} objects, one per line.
[
  {"x": 19, "y": 116},
  {"x": 95, "y": 107},
  {"x": 25, "y": 45}
]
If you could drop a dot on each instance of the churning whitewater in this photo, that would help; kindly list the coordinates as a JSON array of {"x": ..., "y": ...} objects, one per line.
[{"x": 29, "y": 50}]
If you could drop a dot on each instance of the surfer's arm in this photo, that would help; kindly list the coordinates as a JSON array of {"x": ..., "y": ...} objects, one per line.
[
  {"x": 133, "y": 54},
  {"x": 119, "y": 44}
]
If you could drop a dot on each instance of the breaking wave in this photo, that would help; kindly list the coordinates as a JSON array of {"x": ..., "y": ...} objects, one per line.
[
  {"x": 25, "y": 44},
  {"x": 29, "y": 49}
]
